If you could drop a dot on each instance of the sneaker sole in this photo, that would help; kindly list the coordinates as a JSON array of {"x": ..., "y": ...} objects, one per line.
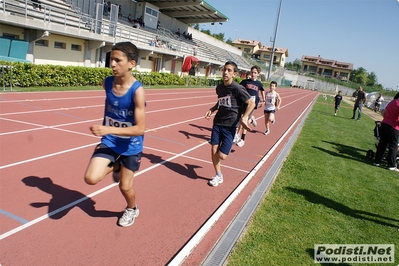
[{"x": 209, "y": 183}]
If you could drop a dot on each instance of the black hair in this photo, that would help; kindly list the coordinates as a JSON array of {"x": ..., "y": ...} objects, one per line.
[
  {"x": 256, "y": 67},
  {"x": 396, "y": 96},
  {"x": 233, "y": 64},
  {"x": 128, "y": 48}
]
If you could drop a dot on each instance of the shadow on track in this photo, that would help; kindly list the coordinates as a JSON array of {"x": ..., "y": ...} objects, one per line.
[
  {"x": 187, "y": 170},
  {"x": 61, "y": 197}
]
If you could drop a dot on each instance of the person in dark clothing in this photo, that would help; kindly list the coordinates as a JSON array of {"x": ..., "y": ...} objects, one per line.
[
  {"x": 337, "y": 102},
  {"x": 231, "y": 97},
  {"x": 389, "y": 135},
  {"x": 359, "y": 101}
]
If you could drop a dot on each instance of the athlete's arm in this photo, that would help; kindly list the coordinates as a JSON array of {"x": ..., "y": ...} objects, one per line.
[
  {"x": 278, "y": 101},
  {"x": 244, "y": 119},
  {"x": 211, "y": 110}
]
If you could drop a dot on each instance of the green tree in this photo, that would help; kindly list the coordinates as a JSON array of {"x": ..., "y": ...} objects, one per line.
[
  {"x": 219, "y": 36},
  {"x": 206, "y": 32},
  {"x": 359, "y": 75},
  {"x": 371, "y": 79},
  {"x": 229, "y": 41}
]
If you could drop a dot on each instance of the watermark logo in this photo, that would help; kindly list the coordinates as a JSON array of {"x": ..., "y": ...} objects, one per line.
[{"x": 354, "y": 253}]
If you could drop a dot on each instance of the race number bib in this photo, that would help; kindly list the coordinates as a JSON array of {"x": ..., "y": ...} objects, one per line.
[
  {"x": 269, "y": 100},
  {"x": 115, "y": 123},
  {"x": 225, "y": 101}
]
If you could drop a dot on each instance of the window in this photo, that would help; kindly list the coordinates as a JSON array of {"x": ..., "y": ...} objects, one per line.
[
  {"x": 151, "y": 12},
  {"x": 247, "y": 50},
  {"x": 10, "y": 36},
  {"x": 266, "y": 56},
  {"x": 76, "y": 47},
  {"x": 41, "y": 43},
  {"x": 59, "y": 45}
]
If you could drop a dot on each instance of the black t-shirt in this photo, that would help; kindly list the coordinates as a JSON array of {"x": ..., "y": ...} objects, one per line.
[
  {"x": 230, "y": 99},
  {"x": 253, "y": 87},
  {"x": 361, "y": 96},
  {"x": 338, "y": 99}
]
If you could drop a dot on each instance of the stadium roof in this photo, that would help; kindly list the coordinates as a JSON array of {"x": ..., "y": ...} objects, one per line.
[{"x": 188, "y": 11}]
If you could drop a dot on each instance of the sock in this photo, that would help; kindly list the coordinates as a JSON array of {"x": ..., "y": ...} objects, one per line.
[
  {"x": 219, "y": 174},
  {"x": 243, "y": 136}
]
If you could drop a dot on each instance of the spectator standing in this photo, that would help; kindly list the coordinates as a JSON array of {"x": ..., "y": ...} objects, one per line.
[
  {"x": 389, "y": 135},
  {"x": 378, "y": 103},
  {"x": 359, "y": 101}
]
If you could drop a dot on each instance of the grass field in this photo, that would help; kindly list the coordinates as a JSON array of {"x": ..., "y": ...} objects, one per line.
[{"x": 327, "y": 192}]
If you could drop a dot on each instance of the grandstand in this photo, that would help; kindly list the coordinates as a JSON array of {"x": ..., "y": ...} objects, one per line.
[{"x": 82, "y": 32}]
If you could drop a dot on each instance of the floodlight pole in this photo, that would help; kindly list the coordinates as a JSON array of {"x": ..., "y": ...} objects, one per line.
[{"x": 274, "y": 40}]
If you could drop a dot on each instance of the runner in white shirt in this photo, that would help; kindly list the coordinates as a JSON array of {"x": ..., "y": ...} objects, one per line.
[{"x": 272, "y": 104}]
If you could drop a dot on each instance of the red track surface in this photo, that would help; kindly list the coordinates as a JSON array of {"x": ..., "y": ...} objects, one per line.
[{"x": 49, "y": 216}]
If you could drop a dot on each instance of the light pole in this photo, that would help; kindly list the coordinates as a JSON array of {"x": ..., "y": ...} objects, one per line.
[{"x": 274, "y": 40}]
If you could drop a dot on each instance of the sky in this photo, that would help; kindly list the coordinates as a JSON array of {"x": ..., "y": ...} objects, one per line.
[{"x": 362, "y": 32}]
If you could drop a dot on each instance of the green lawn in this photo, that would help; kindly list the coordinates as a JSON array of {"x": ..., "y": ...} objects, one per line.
[{"x": 327, "y": 192}]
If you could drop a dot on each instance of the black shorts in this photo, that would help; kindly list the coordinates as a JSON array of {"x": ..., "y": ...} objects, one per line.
[{"x": 131, "y": 162}]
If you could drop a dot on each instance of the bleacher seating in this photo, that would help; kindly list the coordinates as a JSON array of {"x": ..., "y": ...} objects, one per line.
[{"x": 62, "y": 12}]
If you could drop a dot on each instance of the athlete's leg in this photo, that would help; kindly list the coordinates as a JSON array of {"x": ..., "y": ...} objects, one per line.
[
  {"x": 97, "y": 169},
  {"x": 126, "y": 187}
]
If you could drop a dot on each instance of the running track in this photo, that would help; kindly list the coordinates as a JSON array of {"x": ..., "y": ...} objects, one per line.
[{"x": 49, "y": 216}]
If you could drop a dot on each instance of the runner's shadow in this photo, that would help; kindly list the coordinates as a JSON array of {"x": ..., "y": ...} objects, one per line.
[
  {"x": 201, "y": 127},
  {"x": 354, "y": 213},
  {"x": 63, "y": 199},
  {"x": 344, "y": 151},
  {"x": 198, "y": 136},
  {"x": 188, "y": 170}
]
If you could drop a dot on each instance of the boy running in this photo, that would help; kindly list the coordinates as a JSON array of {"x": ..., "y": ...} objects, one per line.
[
  {"x": 122, "y": 130},
  {"x": 337, "y": 102},
  {"x": 272, "y": 104},
  {"x": 253, "y": 87},
  {"x": 231, "y": 96}
]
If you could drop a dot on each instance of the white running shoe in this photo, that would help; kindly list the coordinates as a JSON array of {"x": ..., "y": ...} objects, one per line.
[
  {"x": 128, "y": 216},
  {"x": 254, "y": 123},
  {"x": 393, "y": 169},
  {"x": 274, "y": 121},
  {"x": 236, "y": 139},
  {"x": 240, "y": 143},
  {"x": 216, "y": 181},
  {"x": 267, "y": 132}
]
